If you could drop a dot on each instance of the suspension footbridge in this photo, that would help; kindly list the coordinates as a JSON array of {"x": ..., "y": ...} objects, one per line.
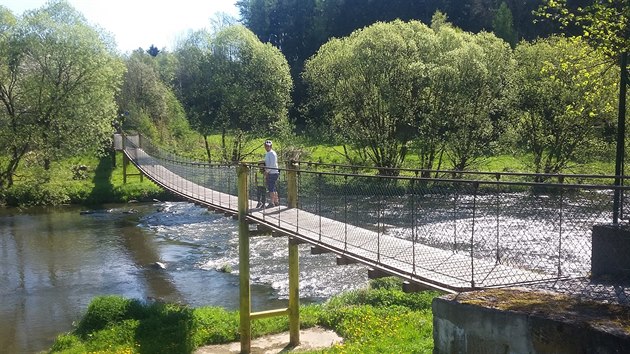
[{"x": 440, "y": 230}]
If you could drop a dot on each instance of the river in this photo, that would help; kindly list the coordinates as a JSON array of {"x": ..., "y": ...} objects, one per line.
[{"x": 53, "y": 261}]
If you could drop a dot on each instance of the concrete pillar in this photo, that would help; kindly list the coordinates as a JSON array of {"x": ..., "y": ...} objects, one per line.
[{"x": 610, "y": 255}]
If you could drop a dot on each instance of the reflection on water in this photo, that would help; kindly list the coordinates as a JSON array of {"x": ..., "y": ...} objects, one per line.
[{"x": 54, "y": 261}]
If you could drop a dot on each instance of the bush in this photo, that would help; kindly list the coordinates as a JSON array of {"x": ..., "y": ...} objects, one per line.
[
  {"x": 371, "y": 321},
  {"x": 115, "y": 324},
  {"x": 104, "y": 311},
  {"x": 388, "y": 283}
]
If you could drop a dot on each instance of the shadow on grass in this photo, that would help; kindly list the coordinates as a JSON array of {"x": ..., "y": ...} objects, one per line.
[
  {"x": 153, "y": 327},
  {"x": 103, "y": 191}
]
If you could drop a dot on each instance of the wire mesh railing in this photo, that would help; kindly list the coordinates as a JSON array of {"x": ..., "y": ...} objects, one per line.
[{"x": 451, "y": 230}]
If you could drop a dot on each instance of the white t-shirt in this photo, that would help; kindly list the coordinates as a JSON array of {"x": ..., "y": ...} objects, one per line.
[{"x": 271, "y": 162}]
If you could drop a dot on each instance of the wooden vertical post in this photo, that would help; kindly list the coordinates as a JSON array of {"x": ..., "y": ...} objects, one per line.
[
  {"x": 140, "y": 147},
  {"x": 245, "y": 328},
  {"x": 292, "y": 193},
  {"x": 125, "y": 160},
  {"x": 294, "y": 263}
]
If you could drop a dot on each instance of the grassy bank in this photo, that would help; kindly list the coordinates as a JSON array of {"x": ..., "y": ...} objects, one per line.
[
  {"x": 83, "y": 180},
  {"x": 380, "y": 319}
]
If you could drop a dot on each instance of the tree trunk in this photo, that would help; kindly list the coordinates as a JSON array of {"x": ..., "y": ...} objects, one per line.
[
  {"x": 6, "y": 176},
  {"x": 224, "y": 145},
  {"x": 208, "y": 152}
]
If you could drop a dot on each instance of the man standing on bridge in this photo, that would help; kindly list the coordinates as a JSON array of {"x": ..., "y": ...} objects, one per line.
[{"x": 272, "y": 173}]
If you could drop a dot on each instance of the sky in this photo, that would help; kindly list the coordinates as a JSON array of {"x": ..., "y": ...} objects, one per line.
[{"x": 141, "y": 23}]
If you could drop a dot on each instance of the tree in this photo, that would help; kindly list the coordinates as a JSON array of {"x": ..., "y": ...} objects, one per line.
[
  {"x": 465, "y": 102},
  {"x": 503, "y": 24},
  {"x": 478, "y": 95},
  {"x": 565, "y": 99},
  {"x": 153, "y": 51},
  {"x": 17, "y": 123},
  {"x": 606, "y": 25},
  {"x": 147, "y": 104},
  {"x": 370, "y": 81},
  {"x": 59, "y": 78},
  {"x": 233, "y": 84}
]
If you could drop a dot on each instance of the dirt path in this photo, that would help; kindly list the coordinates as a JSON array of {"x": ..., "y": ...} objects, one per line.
[{"x": 310, "y": 339}]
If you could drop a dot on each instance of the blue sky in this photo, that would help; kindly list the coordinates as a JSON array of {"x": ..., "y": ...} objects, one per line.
[{"x": 141, "y": 23}]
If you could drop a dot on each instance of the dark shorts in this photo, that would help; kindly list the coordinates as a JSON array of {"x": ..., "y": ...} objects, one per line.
[{"x": 272, "y": 178}]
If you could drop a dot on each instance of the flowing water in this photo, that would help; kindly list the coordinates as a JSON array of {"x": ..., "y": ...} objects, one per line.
[{"x": 53, "y": 261}]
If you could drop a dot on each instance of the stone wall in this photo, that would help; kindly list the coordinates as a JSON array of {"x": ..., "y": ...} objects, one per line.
[{"x": 524, "y": 321}]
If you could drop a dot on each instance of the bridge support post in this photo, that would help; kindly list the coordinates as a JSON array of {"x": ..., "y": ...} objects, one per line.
[
  {"x": 292, "y": 190},
  {"x": 125, "y": 160},
  {"x": 294, "y": 263},
  {"x": 294, "y": 293},
  {"x": 245, "y": 327}
]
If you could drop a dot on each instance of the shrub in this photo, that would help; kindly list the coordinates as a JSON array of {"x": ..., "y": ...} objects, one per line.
[{"x": 104, "y": 311}]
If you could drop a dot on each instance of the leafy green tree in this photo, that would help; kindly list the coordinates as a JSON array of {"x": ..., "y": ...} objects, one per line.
[
  {"x": 465, "y": 105},
  {"x": 503, "y": 24},
  {"x": 17, "y": 123},
  {"x": 606, "y": 25},
  {"x": 231, "y": 83},
  {"x": 370, "y": 81},
  {"x": 477, "y": 74},
  {"x": 566, "y": 99},
  {"x": 147, "y": 104},
  {"x": 59, "y": 76}
]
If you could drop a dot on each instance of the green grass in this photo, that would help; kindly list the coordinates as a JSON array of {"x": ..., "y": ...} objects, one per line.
[
  {"x": 80, "y": 180},
  {"x": 380, "y": 319}
]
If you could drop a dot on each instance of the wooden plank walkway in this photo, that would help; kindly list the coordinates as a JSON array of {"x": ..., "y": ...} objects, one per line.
[{"x": 427, "y": 266}]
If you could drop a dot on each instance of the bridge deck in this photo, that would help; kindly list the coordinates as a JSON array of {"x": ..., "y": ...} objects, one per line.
[{"x": 433, "y": 267}]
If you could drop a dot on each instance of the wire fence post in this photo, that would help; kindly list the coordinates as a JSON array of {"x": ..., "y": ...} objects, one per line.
[
  {"x": 498, "y": 206},
  {"x": 413, "y": 225},
  {"x": 294, "y": 293},
  {"x": 560, "y": 216},
  {"x": 294, "y": 258},
  {"x": 472, "y": 236},
  {"x": 319, "y": 203},
  {"x": 455, "y": 249},
  {"x": 345, "y": 213},
  {"x": 140, "y": 147}
]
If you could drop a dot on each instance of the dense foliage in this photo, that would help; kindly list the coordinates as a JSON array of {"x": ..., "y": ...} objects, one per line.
[
  {"x": 147, "y": 101},
  {"x": 58, "y": 78},
  {"x": 233, "y": 84},
  {"x": 300, "y": 27},
  {"x": 566, "y": 100}
]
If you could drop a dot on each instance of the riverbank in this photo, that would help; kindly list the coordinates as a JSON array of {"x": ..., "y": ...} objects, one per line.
[
  {"x": 82, "y": 181},
  {"x": 380, "y": 318}
]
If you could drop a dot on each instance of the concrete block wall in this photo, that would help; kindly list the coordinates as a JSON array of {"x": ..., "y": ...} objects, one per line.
[{"x": 462, "y": 324}]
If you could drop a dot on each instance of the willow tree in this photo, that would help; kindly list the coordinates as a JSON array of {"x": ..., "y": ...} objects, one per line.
[
  {"x": 566, "y": 98},
  {"x": 393, "y": 84},
  {"x": 472, "y": 88},
  {"x": 370, "y": 81},
  {"x": 58, "y": 79},
  {"x": 233, "y": 84}
]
